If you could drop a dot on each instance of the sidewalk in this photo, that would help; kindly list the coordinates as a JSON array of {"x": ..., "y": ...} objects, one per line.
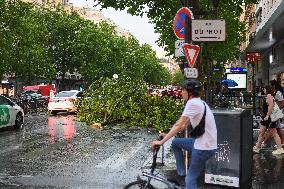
[{"x": 268, "y": 169}]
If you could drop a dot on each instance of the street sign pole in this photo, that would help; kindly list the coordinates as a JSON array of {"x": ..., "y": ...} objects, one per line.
[
  {"x": 253, "y": 89},
  {"x": 187, "y": 37},
  {"x": 187, "y": 25}
]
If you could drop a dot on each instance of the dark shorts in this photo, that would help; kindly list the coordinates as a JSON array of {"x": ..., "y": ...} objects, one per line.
[{"x": 268, "y": 123}]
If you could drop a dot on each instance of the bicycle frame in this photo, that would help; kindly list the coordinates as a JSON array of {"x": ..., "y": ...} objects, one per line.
[
  {"x": 161, "y": 179},
  {"x": 151, "y": 175}
]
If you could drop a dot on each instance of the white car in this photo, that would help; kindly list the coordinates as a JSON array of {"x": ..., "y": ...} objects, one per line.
[
  {"x": 10, "y": 113},
  {"x": 63, "y": 102}
]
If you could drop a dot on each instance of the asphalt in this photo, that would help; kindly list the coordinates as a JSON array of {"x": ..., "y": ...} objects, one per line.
[{"x": 267, "y": 169}]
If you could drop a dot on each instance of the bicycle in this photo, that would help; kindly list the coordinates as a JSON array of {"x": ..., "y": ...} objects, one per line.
[{"x": 146, "y": 184}]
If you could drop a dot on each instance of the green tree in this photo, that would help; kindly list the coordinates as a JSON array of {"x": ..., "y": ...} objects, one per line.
[
  {"x": 104, "y": 53},
  {"x": 3, "y": 39},
  {"x": 100, "y": 51},
  {"x": 124, "y": 101},
  {"x": 178, "y": 78},
  {"x": 22, "y": 39},
  {"x": 62, "y": 29}
]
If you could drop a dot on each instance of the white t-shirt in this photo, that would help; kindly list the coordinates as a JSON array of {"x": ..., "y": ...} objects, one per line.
[{"x": 194, "y": 110}]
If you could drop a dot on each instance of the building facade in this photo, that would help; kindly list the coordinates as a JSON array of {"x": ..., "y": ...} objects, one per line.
[
  {"x": 265, "y": 26},
  {"x": 96, "y": 16},
  {"x": 170, "y": 64},
  {"x": 51, "y": 3}
]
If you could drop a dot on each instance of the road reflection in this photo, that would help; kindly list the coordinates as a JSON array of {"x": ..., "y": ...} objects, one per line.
[
  {"x": 268, "y": 169},
  {"x": 61, "y": 127}
]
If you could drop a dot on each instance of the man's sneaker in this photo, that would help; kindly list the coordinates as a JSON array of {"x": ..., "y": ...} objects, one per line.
[
  {"x": 256, "y": 150},
  {"x": 179, "y": 180},
  {"x": 278, "y": 151}
]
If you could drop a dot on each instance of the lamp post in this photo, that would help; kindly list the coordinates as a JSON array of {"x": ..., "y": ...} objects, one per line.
[
  {"x": 252, "y": 59},
  {"x": 252, "y": 64}
]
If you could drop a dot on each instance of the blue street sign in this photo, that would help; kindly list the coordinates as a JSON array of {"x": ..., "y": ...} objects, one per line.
[{"x": 179, "y": 21}]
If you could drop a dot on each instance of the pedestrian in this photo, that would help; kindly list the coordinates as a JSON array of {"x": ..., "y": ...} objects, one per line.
[
  {"x": 267, "y": 124},
  {"x": 200, "y": 148},
  {"x": 278, "y": 96}
]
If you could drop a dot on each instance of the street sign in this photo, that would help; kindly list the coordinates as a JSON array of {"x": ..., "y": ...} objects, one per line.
[
  {"x": 208, "y": 30},
  {"x": 178, "y": 48},
  {"x": 179, "y": 52},
  {"x": 191, "y": 53},
  {"x": 179, "y": 21},
  {"x": 179, "y": 43},
  {"x": 191, "y": 73},
  {"x": 253, "y": 57}
]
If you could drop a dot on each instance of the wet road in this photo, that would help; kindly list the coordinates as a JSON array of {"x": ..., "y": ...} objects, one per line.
[
  {"x": 58, "y": 152},
  {"x": 268, "y": 169}
]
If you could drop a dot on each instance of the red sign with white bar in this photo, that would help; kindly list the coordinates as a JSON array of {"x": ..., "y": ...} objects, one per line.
[
  {"x": 191, "y": 53},
  {"x": 253, "y": 57}
]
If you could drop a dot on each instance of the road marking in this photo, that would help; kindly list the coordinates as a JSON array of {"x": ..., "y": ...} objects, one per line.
[{"x": 118, "y": 160}]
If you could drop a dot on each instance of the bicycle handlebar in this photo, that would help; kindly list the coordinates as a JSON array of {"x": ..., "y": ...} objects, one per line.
[{"x": 160, "y": 137}]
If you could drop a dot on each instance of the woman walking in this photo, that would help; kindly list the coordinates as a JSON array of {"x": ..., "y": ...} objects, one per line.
[
  {"x": 266, "y": 123},
  {"x": 278, "y": 97}
]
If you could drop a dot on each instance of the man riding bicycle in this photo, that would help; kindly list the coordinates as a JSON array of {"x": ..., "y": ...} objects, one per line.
[{"x": 201, "y": 148}]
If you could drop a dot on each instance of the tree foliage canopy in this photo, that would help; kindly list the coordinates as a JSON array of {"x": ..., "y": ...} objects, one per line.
[
  {"x": 39, "y": 43},
  {"x": 162, "y": 13}
]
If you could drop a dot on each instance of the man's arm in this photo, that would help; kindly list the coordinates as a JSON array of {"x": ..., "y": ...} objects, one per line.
[{"x": 178, "y": 126}]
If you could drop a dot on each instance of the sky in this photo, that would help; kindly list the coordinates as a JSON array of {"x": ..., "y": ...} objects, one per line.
[{"x": 142, "y": 30}]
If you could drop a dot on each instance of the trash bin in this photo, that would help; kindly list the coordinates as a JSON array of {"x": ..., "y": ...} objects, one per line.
[{"x": 232, "y": 163}]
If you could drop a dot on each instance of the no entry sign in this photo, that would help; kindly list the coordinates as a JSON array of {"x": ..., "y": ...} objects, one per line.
[{"x": 179, "y": 21}]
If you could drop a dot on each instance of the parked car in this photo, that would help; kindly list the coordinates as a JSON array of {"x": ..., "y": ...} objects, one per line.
[
  {"x": 31, "y": 101},
  {"x": 163, "y": 92},
  {"x": 154, "y": 92},
  {"x": 177, "y": 92},
  {"x": 64, "y": 102},
  {"x": 10, "y": 113},
  {"x": 44, "y": 90}
]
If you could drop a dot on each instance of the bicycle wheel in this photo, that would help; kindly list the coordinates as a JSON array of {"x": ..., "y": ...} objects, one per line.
[{"x": 139, "y": 184}]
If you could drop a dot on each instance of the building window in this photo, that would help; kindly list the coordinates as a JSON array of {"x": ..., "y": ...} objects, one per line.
[
  {"x": 270, "y": 58},
  {"x": 258, "y": 16}
]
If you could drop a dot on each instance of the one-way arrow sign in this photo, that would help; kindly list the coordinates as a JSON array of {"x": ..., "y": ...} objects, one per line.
[{"x": 191, "y": 53}]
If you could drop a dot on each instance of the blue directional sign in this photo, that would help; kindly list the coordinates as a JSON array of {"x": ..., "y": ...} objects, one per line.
[{"x": 179, "y": 21}]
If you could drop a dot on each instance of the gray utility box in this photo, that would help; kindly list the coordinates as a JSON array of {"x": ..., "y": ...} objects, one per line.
[{"x": 232, "y": 164}]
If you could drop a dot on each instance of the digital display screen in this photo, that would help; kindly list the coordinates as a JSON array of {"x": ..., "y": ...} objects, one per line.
[{"x": 239, "y": 78}]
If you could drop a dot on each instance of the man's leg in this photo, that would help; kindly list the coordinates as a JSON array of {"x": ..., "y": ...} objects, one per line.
[
  {"x": 178, "y": 145},
  {"x": 197, "y": 164}
]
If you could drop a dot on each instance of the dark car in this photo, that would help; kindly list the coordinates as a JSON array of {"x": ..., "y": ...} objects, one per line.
[{"x": 31, "y": 100}]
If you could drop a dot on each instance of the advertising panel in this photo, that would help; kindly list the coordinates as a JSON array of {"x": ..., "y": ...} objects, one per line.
[
  {"x": 224, "y": 168},
  {"x": 232, "y": 164},
  {"x": 239, "y": 78}
]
